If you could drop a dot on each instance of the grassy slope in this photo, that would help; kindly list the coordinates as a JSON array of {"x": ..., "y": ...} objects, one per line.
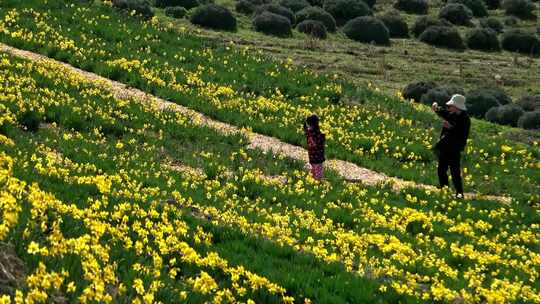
[{"x": 394, "y": 237}]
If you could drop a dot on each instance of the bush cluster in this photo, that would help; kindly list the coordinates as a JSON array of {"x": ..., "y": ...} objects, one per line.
[
  {"x": 493, "y": 4},
  {"x": 529, "y": 102},
  {"x": 456, "y": 13},
  {"x": 483, "y": 39},
  {"x": 345, "y": 10},
  {"x": 423, "y": 22},
  {"x": 317, "y": 13},
  {"x": 443, "y": 36},
  {"x": 505, "y": 115},
  {"x": 245, "y": 7},
  {"x": 272, "y": 24},
  {"x": 492, "y": 23},
  {"x": 294, "y": 5},
  {"x": 278, "y": 10},
  {"x": 414, "y": 91},
  {"x": 440, "y": 95},
  {"x": 530, "y": 120},
  {"x": 187, "y": 4},
  {"x": 141, "y": 7},
  {"x": 517, "y": 40},
  {"x": 481, "y": 100},
  {"x": 478, "y": 7},
  {"x": 523, "y": 9},
  {"x": 367, "y": 29},
  {"x": 176, "y": 12},
  {"x": 313, "y": 28},
  {"x": 396, "y": 25},
  {"x": 215, "y": 17},
  {"x": 420, "y": 7}
]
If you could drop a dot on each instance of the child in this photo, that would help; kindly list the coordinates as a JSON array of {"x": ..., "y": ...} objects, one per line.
[{"x": 315, "y": 142}]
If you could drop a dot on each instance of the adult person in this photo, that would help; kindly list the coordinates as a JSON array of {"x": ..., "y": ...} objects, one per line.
[{"x": 454, "y": 135}]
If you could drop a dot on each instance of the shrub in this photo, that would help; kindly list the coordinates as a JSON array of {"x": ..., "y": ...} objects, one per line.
[
  {"x": 478, "y": 7},
  {"x": 492, "y": 23},
  {"x": 423, "y": 22},
  {"x": 345, "y": 10},
  {"x": 316, "y": 2},
  {"x": 523, "y": 9},
  {"x": 294, "y": 5},
  {"x": 483, "y": 39},
  {"x": 505, "y": 115},
  {"x": 396, "y": 25},
  {"x": 443, "y": 36},
  {"x": 278, "y": 10},
  {"x": 530, "y": 120},
  {"x": 245, "y": 7},
  {"x": 215, "y": 17},
  {"x": 511, "y": 21},
  {"x": 141, "y": 7},
  {"x": 516, "y": 40},
  {"x": 529, "y": 102},
  {"x": 493, "y": 4},
  {"x": 367, "y": 29},
  {"x": 313, "y": 28},
  {"x": 441, "y": 95},
  {"x": 456, "y": 13},
  {"x": 187, "y": 4},
  {"x": 176, "y": 12},
  {"x": 272, "y": 24},
  {"x": 370, "y": 3},
  {"x": 481, "y": 100},
  {"x": 416, "y": 90},
  {"x": 317, "y": 13},
  {"x": 420, "y": 7}
]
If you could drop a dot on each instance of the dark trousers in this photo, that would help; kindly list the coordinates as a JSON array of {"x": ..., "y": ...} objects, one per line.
[{"x": 450, "y": 159}]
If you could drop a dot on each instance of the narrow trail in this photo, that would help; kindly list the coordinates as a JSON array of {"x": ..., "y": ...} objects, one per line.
[{"x": 347, "y": 170}]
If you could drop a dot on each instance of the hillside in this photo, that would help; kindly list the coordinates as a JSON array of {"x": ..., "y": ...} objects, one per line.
[{"x": 107, "y": 198}]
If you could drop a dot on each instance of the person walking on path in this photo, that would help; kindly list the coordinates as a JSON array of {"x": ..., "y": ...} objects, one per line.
[
  {"x": 315, "y": 142},
  {"x": 454, "y": 135}
]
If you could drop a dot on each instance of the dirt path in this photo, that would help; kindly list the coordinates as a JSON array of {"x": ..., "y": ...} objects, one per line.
[{"x": 349, "y": 171}]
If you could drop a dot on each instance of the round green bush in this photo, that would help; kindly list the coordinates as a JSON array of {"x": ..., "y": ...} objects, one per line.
[
  {"x": 511, "y": 21},
  {"x": 493, "y": 4},
  {"x": 316, "y": 2},
  {"x": 187, "y": 4},
  {"x": 141, "y": 7},
  {"x": 420, "y": 7},
  {"x": 317, "y": 13},
  {"x": 492, "y": 23},
  {"x": 523, "y": 9},
  {"x": 294, "y": 5},
  {"x": 175, "y": 12},
  {"x": 530, "y": 121},
  {"x": 443, "y": 36},
  {"x": 370, "y": 3},
  {"x": 517, "y": 40},
  {"x": 439, "y": 95},
  {"x": 505, "y": 115},
  {"x": 481, "y": 100},
  {"x": 414, "y": 91},
  {"x": 272, "y": 24},
  {"x": 245, "y": 7},
  {"x": 423, "y": 22},
  {"x": 456, "y": 13},
  {"x": 529, "y": 102},
  {"x": 215, "y": 17},
  {"x": 483, "y": 39},
  {"x": 345, "y": 10},
  {"x": 478, "y": 7},
  {"x": 313, "y": 28},
  {"x": 367, "y": 29},
  {"x": 278, "y": 10},
  {"x": 396, "y": 25}
]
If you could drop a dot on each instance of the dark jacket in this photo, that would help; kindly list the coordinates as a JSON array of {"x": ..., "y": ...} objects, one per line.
[
  {"x": 454, "y": 138},
  {"x": 315, "y": 143}
]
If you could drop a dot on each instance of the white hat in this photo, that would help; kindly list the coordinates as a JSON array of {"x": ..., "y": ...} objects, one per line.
[{"x": 457, "y": 101}]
